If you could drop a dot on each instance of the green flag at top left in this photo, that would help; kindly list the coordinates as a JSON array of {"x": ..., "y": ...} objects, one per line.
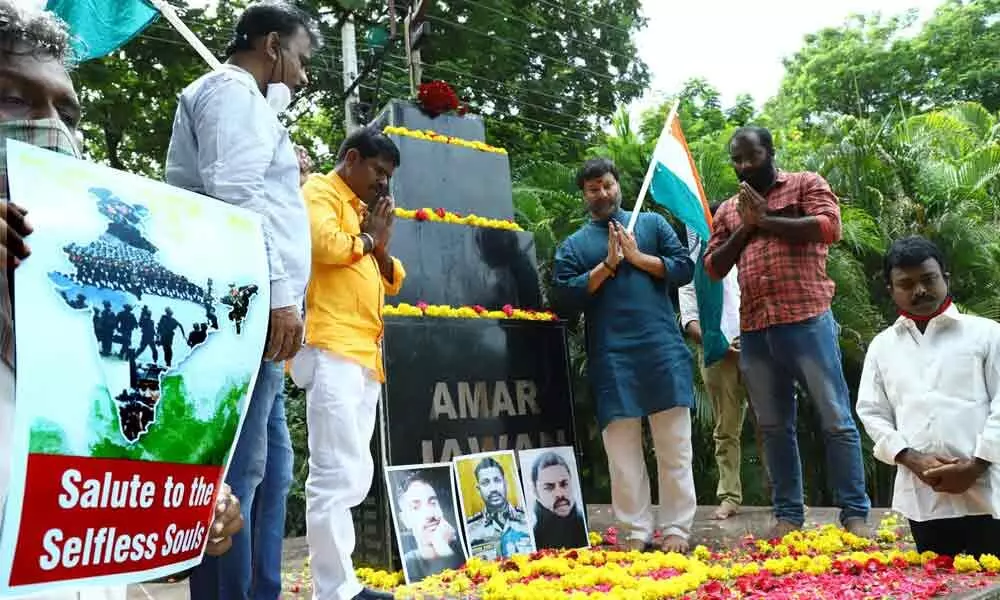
[{"x": 99, "y": 27}]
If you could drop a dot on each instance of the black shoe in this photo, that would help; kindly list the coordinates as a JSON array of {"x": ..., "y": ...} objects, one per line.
[{"x": 370, "y": 594}]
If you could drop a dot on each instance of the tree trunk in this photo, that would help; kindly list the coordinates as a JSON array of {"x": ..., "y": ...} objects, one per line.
[{"x": 111, "y": 141}]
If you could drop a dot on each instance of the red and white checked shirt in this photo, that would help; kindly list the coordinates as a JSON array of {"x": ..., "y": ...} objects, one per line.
[{"x": 781, "y": 281}]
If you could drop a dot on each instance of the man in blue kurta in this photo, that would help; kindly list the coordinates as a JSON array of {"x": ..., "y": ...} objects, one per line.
[{"x": 637, "y": 361}]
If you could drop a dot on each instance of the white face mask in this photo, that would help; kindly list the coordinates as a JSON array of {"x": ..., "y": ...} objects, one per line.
[{"x": 279, "y": 97}]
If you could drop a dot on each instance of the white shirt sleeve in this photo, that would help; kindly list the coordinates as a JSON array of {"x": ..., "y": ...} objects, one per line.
[
  {"x": 233, "y": 158},
  {"x": 876, "y": 413},
  {"x": 687, "y": 300},
  {"x": 988, "y": 442}
]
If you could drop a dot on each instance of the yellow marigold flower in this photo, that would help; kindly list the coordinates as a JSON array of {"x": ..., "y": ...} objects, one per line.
[
  {"x": 432, "y": 136},
  {"x": 990, "y": 563},
  {"x": 966, "y": 564}
]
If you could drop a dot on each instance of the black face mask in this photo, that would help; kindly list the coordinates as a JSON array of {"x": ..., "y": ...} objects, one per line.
[{"x": 761, "y": 178}]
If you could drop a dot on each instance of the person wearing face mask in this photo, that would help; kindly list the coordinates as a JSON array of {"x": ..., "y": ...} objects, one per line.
[
  {"x": 340, "y": 367},
  {"x": 930, "y": 400},
  {"x": 777, "y": 230},
  {"x": 39, "y": 106},
  {"x": 228, "y": 143},
  {"x": 637, "y": 362}
]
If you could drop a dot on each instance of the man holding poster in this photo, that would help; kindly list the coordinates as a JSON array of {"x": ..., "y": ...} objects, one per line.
[
  {"x": 33, "y": 50},
  {"x": 228, "y": 143}
]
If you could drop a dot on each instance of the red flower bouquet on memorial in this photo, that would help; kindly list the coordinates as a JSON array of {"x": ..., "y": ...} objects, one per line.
[{"x": 437, "y": 98}]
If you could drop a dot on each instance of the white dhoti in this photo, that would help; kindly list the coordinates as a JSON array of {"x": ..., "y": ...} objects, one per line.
[
  {"x": 341, "y": 402},
  {"x": 630, "y": 495}
]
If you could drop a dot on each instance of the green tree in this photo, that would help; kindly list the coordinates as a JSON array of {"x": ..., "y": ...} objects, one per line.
[
  {"x": 129, "y": 97},
  {"x": 871, "y": 65},
  {"x": 544, "y": 74},
  {"x": 861, "y": 68}
]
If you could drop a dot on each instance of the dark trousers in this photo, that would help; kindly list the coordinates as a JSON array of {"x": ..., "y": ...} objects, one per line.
[
  {"x": 975, "y": 535},
  {"x": 168, "y": 349}
]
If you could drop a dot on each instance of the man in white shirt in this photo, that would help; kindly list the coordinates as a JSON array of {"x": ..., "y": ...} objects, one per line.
[
  {"x": 930, "y": 400},
  {"x": 722, "y": 382},
  {"x": 39, "y": 106},
  {"x": 228, "y": 143}
]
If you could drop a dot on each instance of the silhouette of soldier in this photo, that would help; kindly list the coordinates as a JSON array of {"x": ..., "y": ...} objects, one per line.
[
  {"x": 199, "y": 334},
  {"x": 97, "y": 324},
  {"x": 79, "y": 302},
  {"x": 208, "y": 295},
  {"x": 166, "y": 328},
  {"x": 126, "y": 325},
  {"x": 148, "y": 330},
  {"x": 239, "y": 301},
  {"x": 211, "y": 316},
  {"x": 106, "y": 332}
]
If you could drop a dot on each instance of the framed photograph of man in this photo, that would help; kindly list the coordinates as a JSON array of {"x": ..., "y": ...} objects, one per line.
[
  {"x": 424, "y": 509},
  {"x": 489, "y": 489},
  {"x": 555, "y": 506}
]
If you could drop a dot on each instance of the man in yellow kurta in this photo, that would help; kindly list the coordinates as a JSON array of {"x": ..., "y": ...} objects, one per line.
[{"x": 351, "y": 215}]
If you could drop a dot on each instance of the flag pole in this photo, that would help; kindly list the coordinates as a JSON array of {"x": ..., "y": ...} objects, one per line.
[
  {"x": 168, "y": 13},
  {"x": 652, "y": 165}
]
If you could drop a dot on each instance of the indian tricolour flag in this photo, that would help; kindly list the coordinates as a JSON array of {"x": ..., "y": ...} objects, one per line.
[
  {"x": 100, "y": 27},
  {"x": 672, "y": 179}
]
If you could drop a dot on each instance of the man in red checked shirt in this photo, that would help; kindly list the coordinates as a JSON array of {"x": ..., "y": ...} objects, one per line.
[{"x": 777, "y": 231}]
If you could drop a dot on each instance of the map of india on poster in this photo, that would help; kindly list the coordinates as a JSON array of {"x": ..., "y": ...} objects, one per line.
[{"x": 140, "y": 321}]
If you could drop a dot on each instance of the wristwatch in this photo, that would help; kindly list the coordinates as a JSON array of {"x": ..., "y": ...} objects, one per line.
[{"x": 371, "y": 242}]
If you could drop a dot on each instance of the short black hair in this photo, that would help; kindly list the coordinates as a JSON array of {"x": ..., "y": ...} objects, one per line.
[
  {"x": 33, "y": 32},
  {"x": 763, "y": 136},
  {"x": 409, "y": 480},
  {"x": 595, "y": 168},
  {"x": 488, "y": 463},
  {"x": 262, "y": 18},
  {"x": 714, "y": 207},
  {"x": 549, "y": 459},
  {"x": 369, "y": 142},
  {"x": 908, "y": 252}
]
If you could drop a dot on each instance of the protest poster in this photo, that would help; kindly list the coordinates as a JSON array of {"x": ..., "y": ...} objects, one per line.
[{"x": 140, "y": 320}]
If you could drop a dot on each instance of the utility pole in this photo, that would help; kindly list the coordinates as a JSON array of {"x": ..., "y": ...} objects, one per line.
[
  {"x": 415, "y": 31},
  {"x": 349, "y": 52}
]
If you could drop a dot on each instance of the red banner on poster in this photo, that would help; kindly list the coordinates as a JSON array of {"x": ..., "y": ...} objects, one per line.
[{"x": 89, "y": 517}]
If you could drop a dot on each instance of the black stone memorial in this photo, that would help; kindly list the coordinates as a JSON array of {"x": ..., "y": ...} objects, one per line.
[{"x": 460, "y": 386}]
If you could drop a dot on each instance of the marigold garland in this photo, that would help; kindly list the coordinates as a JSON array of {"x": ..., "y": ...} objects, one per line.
[
  {"x": 432, "y": 136},
  {"x": 441, "y": 215},
  {"x": 826, "y": 562},
  {"x": 422, "y": 309}
]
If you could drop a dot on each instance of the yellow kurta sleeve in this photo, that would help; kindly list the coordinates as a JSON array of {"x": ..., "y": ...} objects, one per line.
[
  {"x": 331, "y": 244},
  {"x": 398, "y": 275}
]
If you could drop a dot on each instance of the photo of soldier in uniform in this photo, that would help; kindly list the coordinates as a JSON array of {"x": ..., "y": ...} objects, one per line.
[
  {"x": 552, "y": 490},
  {"x": 424, "y": 507},
  {"x": 496, "y": 525}
]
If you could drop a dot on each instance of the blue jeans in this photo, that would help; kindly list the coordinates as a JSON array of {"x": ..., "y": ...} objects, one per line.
[
  {"x": 772, "y": 361},
  {"x": 229, "y": 577},
  {"x": 269, "y": 506}
]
